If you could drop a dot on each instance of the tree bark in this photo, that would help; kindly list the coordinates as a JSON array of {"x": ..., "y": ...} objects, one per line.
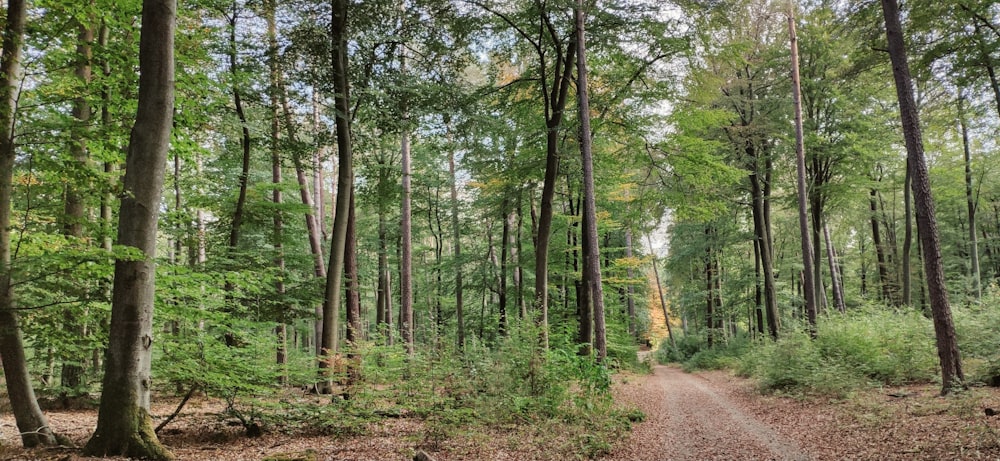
[
  {"x": 883, "y": 274},
  {"x": 234, "y": 231},
  {"x": 31, "y": 422},
  {"x": 555, "y": 105},
  {"x": 593, "y": 253},
  {"x": 836, "y": 284},
  {"x": 907, "y": 297},
  {"x": 808, "y": 282},
  {"x": 124, "y": 426},
  {"x": 659, "y": 289},
  {"x": 456, "y": 249},
  {"x": 345, "y": 189},
  {"x": 970, "y": 201},
  {"x": 629, "y": 289},
  {"x": 406, "y": 244},
  {"x": 502, "y": 279},
  {"x": 353, "y": 294},
  {"x": 274, "y": 94},
  {"x": 758, "y": 210},
  {"x": 72, "y": 368},
  {"x": 944, "y": 328}
]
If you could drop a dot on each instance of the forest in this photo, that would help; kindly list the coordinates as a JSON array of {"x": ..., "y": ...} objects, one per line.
[{"x": 479, "y": 229}]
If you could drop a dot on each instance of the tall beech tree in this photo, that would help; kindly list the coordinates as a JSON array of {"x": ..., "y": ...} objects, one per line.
[
  {"x": 809, "y": 282},
  {"x": 124, "y": 425},
  {"x": 944, "y": 327},
  {"x": 31, "y": 422},
  {"x": 345, "y": 188},
  {"x": 592, "y": 251}
]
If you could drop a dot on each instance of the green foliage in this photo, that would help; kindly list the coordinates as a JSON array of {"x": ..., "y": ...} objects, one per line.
[
  {"x": 978, "y": 330},
  {"x": 868, "y": 346}
]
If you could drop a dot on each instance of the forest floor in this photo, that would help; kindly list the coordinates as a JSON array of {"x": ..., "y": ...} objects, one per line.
[
  {"x": 700, "y": 416},
  {"x": 715, "y": 415}
]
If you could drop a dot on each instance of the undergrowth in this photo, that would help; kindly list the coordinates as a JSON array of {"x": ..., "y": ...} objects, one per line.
[
  {"x": 562, "y": 399},
  {"x": 869, "y": 346}
]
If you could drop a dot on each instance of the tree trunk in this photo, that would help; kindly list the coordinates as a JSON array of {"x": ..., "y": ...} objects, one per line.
[
  {"x": 313, "y": 213},
  {"x": 124, "y": 426},
  {"x": 944, "y": 328},
  {"x": 353, "y": 293},
  {"x": 234, "y": 231},
  {"x": 406, "y": 244},
  {"x": 457, "y": 249},
  {"x": 883, "y": 275},
  {"x": 808, "y": 281},
  {"x": 383, "y": 299},
  {"x": 345, "y": 189},
  {"x": 766, "y": 255},
  {"x": 274, "y": 91},
  {"x": 593, "y": 253},
  {"x": 555, "y": 105},
  {"x": 659, "y": 289},
  {"x": 31, "y": 422},
  {"x": 835, "y": 282},
  {"x": 709, "y": 292},
  {"x": 907, "y": 297},
  {"x": 502, "y": 278},
  {"x": 758, "y": 291},
  {"x": 970, "y": 201},
  {"x": 584, "y": 302},
  {"x": 75, "y": 212},
  {"x": 629, "y": 289}
]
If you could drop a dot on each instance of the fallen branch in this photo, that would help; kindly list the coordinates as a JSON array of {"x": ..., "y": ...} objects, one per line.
[{"x": 180, "y": 406}]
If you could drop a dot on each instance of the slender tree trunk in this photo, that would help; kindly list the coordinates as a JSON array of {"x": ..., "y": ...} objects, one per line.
[
  {"x": 434, "y": 217},
  {"x": 584, "y": 301},
  {"x": 555, "y": 105},
  {"x": 659, "y": 289},
  {"x": 630, "y": 290},
  {"x": 124, "y": 426},
  {"x": 944, "y": 328},
  {"x": 345, "y": 189},
  {"x": 383, "y": 297},
  {"x": 274, "y": 92},
  {"x": 502, "y": 278},
  {"x": 883, "y": 274},
  {"x": 758, "y": 289},
  {"x": 234, "y": 232},
  {"x": 766, "y": 255},
  {"x": 31, "y": 422},
  {"x": 456, "y": 249},
  {"x": 589, "y": 202},
  {"x": 353, "y": 293},
  {"x": 709, "y": 292},
  {"x": 907, "y": 238},
  {"x": 319, "y": 155},
  {"x": 970, "y": 201},
  {"x": 313, "y": 213},
  {"x": 809, "y": 283},
  {"x": 406, "y": 261},
  {"x": 75, "y": 210},
  {"x": 107, "y": 197},
  {"x": 835, "y": 282}
]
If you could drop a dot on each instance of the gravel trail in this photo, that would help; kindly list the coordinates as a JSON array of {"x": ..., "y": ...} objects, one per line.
[{"x": 688, "y": 419}]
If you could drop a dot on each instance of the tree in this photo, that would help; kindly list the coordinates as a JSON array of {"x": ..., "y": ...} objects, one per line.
[
  {"x": 124, "y": 425},
  {"x": 31, "y": 422},
  {"x": 809, "y": 284},
  {"x": 345, "y": 188},
  {"x": 592, "y": 252},
  {"x": 944, "y": 327}
]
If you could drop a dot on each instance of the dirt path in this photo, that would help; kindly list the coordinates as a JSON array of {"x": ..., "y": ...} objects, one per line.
[{"x": 688, "y": 419}]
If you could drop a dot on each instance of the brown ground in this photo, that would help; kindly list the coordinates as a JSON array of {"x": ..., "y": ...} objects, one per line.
[
  {"x": 698, "y": 416},
  {"x": 714, "y": 415}
]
